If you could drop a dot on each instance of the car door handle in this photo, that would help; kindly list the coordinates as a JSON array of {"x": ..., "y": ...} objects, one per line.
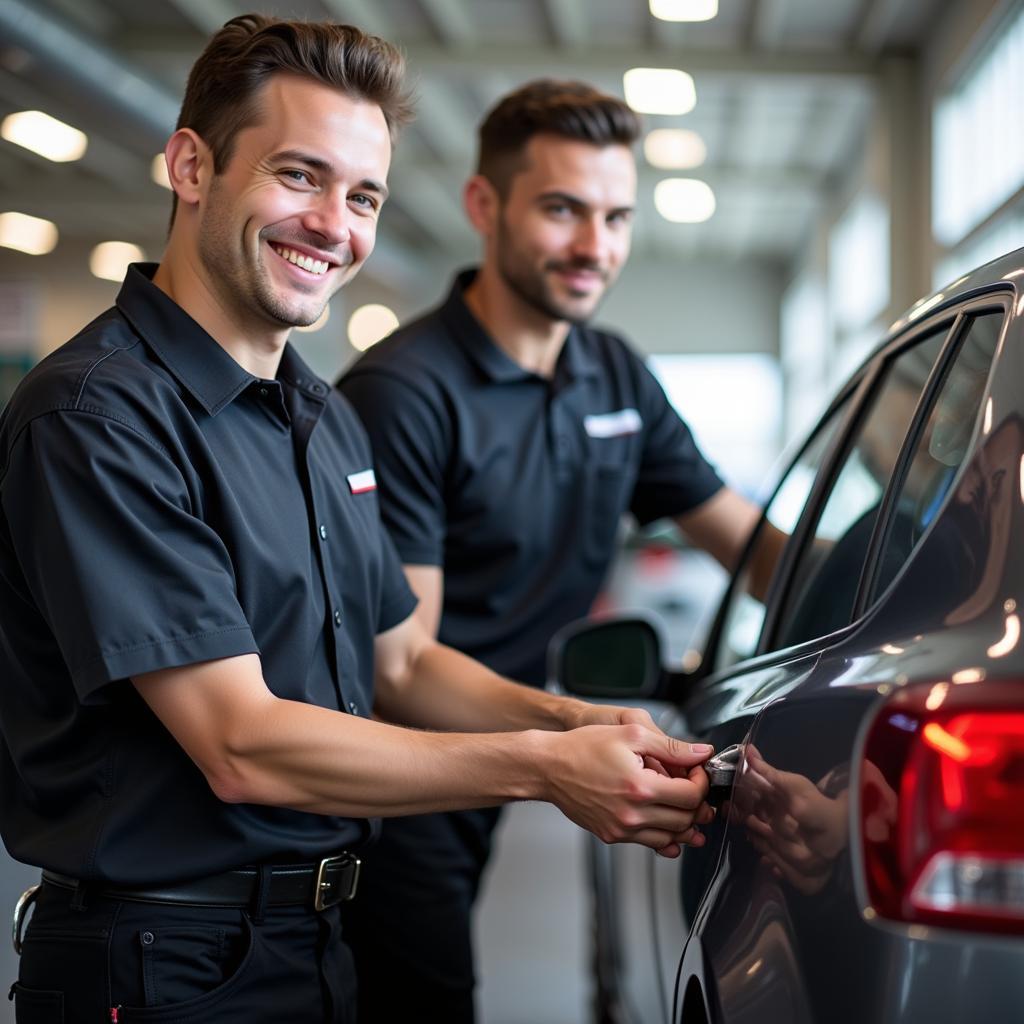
[{"x": 721, "y": 769}]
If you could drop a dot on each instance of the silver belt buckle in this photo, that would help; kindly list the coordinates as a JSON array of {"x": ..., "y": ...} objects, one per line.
[
  {"x": 336, "y": 880},
  {"x": 25, "y": 900}
]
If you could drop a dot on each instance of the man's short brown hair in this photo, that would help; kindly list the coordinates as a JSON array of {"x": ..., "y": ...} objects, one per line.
[
  {"x": 225, "y": 81},
  {"x": 547, "y": 106}
]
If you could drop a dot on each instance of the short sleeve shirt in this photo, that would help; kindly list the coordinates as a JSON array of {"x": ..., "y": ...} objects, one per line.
[
  {"x": 162, "y": 507},
  {"x": 512, "y": 483}
]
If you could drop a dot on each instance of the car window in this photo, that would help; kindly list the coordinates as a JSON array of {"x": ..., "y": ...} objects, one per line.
[
  {"x": 826, "y": 577},
  {"x": 744, "y": 613},
  {"x": 941, "y": 448}
]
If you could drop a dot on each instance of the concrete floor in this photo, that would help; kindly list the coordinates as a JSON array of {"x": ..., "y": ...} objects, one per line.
[{"x": 530, "y": 925}]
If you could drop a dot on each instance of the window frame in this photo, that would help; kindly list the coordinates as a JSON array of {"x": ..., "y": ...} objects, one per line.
[
  {"x": 866, "y": 598},
  {"x": 858, "y": 393},
  {"x": 953, "y": 322}
]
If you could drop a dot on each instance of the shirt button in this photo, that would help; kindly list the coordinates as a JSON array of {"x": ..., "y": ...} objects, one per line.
[
  {"x": 318, "y": 389},
  {"x": 264, "y": 392},
  {"x": 353, "y": 707},
  {"x": 323, "y": 532},
  {"x": 337, "y": 617},
  {"x": 147, "y": 938}
]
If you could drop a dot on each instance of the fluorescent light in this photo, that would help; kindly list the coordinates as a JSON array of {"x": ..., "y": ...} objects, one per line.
[
  {"x": 44, "y": 135},
  {"x": 324, "y": 316},
  {"x": 659, "y": 90},
  {"x": 27, "y": 234},
  {"x": 684, "y": 200},
  {"x": 684, "y": 10},
  {"x": 158, "y": 171},
  {"x": 110, "y": 260},
  {"x": 368, "y": 324},
  {"x": 674, "y": 149}
]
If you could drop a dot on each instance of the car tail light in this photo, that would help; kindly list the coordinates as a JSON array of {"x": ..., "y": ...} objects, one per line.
[{"x": 941, "y": 806}]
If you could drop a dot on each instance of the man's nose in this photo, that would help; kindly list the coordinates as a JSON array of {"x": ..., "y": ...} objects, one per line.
[
  {"x": 591, "y": 239},
  {"x": 329, "y": 216}
]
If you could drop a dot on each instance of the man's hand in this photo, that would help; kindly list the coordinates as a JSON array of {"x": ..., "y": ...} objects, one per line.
[
  {"x": 630, "y": 783},
  {"x": 581, "y": 713}
]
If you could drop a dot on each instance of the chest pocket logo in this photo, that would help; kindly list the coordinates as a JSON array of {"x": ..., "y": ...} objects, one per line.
[
  {"x": 360, "y": 483},
  {"x": 613, "y": 424}
]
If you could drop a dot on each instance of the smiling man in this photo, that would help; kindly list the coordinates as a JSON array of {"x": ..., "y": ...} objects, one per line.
[
  {"x": 510, "y": 437},
  {"x": 199, "y": 606}
]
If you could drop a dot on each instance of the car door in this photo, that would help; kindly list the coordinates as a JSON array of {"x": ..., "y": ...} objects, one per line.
[
  {"x": 650, "y": 903},
  {"x": 776, "y": 929}
]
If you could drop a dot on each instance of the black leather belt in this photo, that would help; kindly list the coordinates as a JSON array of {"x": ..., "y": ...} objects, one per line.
[{"x": 319, "y": 886}]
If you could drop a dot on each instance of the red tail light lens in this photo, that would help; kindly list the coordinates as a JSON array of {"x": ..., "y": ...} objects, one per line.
[{"x": 941, "y": 807}]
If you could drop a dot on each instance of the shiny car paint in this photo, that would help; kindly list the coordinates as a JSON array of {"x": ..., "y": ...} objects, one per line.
[{"x": 719, "y": 937}]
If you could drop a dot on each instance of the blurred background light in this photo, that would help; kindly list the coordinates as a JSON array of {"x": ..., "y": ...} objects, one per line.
[
  {"x": 109, "y": 260},
  {"x": 368, "y": 324},
  {"x": 684, "y": 10},
  {"x": 684, "y": 200},
  {"x": 32, "y": 235},
  {"x": 45, "y": 135},
  {"x": 674, "y": 149},
  {"x": 158, "y": 171},
  {"x": 659, "y": 90}
]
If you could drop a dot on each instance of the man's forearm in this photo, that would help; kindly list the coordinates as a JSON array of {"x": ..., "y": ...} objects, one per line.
[{"x": 444, "y": 689}]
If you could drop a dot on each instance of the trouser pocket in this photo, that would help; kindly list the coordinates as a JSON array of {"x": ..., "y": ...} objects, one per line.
[{"x": 36, "y": 1006}]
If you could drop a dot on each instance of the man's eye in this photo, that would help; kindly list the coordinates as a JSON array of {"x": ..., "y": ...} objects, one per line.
[
  {"x": 301, "y": 177},
  {"x": 367, "y": 202}
]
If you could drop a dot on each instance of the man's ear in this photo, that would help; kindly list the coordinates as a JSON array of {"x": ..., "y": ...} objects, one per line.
[
  {"x": 189, "y": 165},
  {"x": 482, "y": 203}
]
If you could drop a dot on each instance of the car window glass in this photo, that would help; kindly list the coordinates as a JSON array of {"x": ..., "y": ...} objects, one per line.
[
  {"x": 825, "y": 580},
  {"x": 941, "y": 448},
  {"x": 744, "y": 614}
]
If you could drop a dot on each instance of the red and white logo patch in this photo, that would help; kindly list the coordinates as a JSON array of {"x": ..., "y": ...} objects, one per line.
[{"x": 360, "y": 483}]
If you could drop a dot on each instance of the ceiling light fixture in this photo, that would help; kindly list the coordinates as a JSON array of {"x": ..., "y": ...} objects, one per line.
[
  {"x": 684, "y": 10},
  {"x": 158, "y": 171},
  {"x": 659, "y": 90},
  {"x": 674, "y": 149},
  {"x": 44, "y": 135},
  {"x": 109, "y": 260},
  {"x": 684, "y": 200},
  {"x": 368, "y": 324},
  {"x": 32, "y": 235}
]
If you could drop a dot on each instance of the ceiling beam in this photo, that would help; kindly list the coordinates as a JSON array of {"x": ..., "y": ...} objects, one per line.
[
  {"x": 568, "y": 20},
  {"x": 207, "y": 15},
  {"x": 875, "y": 25},
  {"x": 362, "y": 13},
  {"x": 768, "y": 23},
  {"x": 452, "y": 22},
  {"x": 523, "y": 60},
  {"x": 106, "y": 77}
]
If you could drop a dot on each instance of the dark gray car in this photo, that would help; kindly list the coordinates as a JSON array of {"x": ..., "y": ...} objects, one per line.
[{"x": 867, "y": 860}]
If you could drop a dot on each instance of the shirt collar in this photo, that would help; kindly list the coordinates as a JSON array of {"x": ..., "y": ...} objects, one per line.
[
  {"x": 575, "y": 360},
  {"x": 198, "y": 362}
]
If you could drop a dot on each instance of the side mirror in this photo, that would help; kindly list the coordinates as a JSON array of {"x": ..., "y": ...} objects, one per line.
[{"x": 612, "y": 658}]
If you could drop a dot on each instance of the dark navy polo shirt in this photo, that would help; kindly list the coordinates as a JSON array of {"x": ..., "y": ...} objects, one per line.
[
  {"x": 161, "y": 507},
  {"x": 513, "y": 483}
]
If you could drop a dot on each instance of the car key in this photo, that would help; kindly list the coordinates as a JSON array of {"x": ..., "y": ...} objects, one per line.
[{"x": 721, "y": 769}]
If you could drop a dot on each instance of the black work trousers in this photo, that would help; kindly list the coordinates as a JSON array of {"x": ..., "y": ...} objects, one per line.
[
  {"x": 123, "y": 961},
  {"x": 411, "y": 927}
]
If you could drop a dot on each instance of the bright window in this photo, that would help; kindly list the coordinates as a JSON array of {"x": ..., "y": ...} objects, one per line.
[
  {"x": 733, "y": 405},
  {"x": 978, "y": 154}
]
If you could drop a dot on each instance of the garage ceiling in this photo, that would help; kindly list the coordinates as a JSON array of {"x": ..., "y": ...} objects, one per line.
[{"x": 783, "y": 91}]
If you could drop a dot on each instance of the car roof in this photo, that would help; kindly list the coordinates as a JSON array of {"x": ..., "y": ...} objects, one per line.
[{"x": 1006, "y": 270}]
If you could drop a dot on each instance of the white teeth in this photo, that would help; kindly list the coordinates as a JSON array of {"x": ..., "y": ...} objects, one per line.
[{"x": 306, "y": 262}]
